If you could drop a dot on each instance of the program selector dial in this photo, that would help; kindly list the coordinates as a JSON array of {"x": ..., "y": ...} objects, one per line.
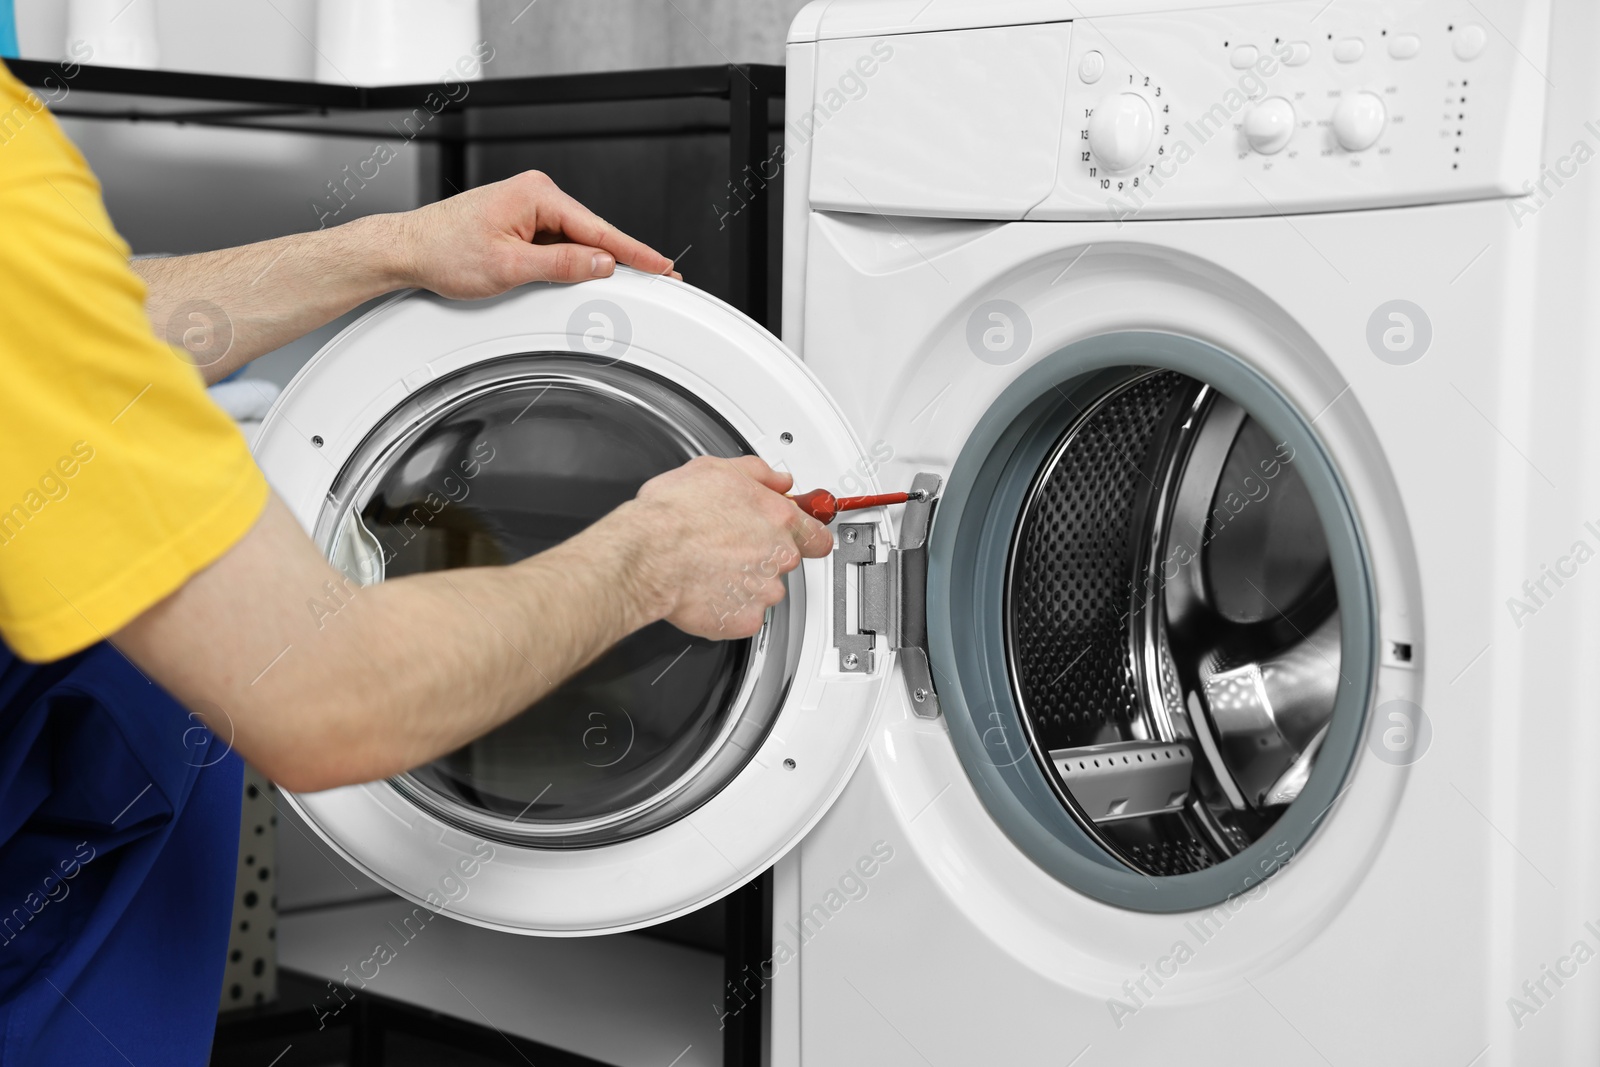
[
  {"x": 1120, "y": 131},
  {"x": 1269, "y": 125},
  {"x": 1358, "y": 121}
]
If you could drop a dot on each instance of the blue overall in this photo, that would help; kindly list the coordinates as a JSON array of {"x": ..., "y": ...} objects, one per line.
[
  {"x": 119, "y": 829},
  {"x": 8, "y": 30}
]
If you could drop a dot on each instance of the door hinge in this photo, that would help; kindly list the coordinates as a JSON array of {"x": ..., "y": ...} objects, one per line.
[{"x": 891, "y": 596}]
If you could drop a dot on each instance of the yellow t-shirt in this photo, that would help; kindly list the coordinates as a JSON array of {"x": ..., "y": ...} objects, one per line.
[{"x": 119, "y": 478}]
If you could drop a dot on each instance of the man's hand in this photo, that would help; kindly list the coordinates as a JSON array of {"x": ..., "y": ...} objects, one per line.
[
  {"x": 228, "y": 307},
  {"x": 496, "y": 237},
  {"x": 713, "y": 541}
]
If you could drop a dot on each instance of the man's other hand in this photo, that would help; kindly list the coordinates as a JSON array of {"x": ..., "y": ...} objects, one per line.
[{"x": 487, "y": 240}]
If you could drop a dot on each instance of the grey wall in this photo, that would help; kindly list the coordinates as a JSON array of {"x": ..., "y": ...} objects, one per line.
[
  {"x": 272, "y": 39},
  {"x": 250, "y": 37},
  {"x": 566, "y": 36}
]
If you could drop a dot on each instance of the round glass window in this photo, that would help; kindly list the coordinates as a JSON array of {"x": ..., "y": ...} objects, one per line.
[
  {"x": 1161, "y": 619},
  {"x": 501, "y": 462}
]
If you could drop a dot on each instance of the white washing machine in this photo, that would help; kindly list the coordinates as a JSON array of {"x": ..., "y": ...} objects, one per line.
[{"x": 1229, "y": 701}]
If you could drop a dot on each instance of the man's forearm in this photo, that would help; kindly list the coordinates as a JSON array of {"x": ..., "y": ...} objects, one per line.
[
  {"x": 322, "y": 682},
  {"x": 230, "y": 306},
  {"x": 399, "y": 673},
  {"x": 453, "y": 655}
]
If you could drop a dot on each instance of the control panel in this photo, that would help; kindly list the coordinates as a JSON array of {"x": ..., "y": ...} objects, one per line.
[
  {"x": 1269, "y": 108},
  {"x": 1189, "y": 111}
]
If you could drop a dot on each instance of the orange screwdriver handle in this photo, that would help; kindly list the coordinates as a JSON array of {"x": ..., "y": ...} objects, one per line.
[
  {"x": 819, "y": 504},
  {"x": 824, "y": 506}
]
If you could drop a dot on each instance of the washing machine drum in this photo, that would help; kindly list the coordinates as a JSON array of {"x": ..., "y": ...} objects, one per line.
[{"x": 1172, "y": 638}]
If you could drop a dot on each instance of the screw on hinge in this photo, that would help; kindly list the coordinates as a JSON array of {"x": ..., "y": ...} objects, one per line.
[{"x": 851, "y": 661}]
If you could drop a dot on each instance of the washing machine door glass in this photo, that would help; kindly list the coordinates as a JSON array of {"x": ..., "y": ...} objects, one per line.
[
  {"x": 433, "y": 435},
  {"x": 500, "y": 462}
]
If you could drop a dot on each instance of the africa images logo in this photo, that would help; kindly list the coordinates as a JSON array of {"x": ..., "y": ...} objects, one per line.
[
  {"x": 1399, "y": 332},
  {"x": 999, "y": 332}
]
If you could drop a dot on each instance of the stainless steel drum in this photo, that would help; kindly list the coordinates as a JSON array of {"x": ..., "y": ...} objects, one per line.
[
  {"x": 1173, "y": 624},
  {"x": 1152, "y": 621}
]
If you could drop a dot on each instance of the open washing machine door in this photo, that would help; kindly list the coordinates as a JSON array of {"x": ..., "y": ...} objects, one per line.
[{"x": 434, "y": 434}]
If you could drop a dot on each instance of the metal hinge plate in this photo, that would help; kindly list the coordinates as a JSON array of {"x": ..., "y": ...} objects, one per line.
[{"x": 891, "y": 596}]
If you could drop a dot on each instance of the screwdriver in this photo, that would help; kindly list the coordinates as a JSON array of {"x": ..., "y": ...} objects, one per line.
[{"x": 823, "y": 505}]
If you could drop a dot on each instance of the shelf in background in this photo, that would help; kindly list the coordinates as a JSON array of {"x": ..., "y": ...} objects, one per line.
[
  {"x": 670, "y": 101},
  {"x": 569, "y": 993}
]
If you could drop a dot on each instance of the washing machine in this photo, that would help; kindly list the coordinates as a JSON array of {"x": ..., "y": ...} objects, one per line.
[{"x": 1221, "y": 698}]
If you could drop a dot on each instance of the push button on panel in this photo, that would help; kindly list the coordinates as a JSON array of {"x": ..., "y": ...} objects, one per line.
[
  {"x": 1349, "y": 49},
  {"x": 1299, "y": 54},
  {"x": 1091, "y": 67},
  {"x": 1244, "y": 56},
  {"x": 1468, "y": 42},
  {"x": 1404, "y": 45}
]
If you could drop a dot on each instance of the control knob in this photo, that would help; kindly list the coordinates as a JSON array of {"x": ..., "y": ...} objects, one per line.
[
  {"x": 1358, "y": 121},
  {"x": 1120, "y": 131},
  {"x": 1269, "y": 125}
]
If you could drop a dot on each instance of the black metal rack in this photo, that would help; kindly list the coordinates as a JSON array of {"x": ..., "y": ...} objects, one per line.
[{"x": 743, "y": 101}]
